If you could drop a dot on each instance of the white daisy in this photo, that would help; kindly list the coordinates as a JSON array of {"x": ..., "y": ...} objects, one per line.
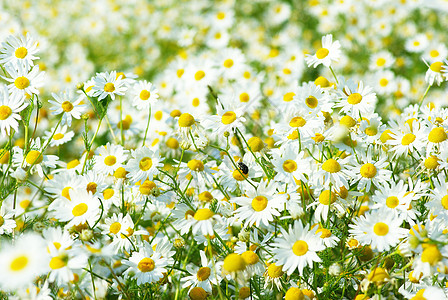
[
  {"x": 329, "y": 52},
  {"x": 19, "y": 50},
  {"x": 69, "y": 104},
  {"x": 143, "y": 164},
  {"x": 10, "y": 107},
  {"x": 108, "y": 84},
  {"x": 144, "y": 95},
  {"x": 24, "y": 82}
]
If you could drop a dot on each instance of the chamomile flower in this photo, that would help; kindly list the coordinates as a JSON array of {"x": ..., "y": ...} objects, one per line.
[
  {"x": 381, "y": 60},
  {"x": 146, "y": 265},
  {"x": 329, "y": 52},
  {"x": 379, "y": 229},
  {"x": 60, "y": 136},
  {"x": 434, "y": 73},
  {"x": 289, "y": 165},
  {"x": 144, "y": 95},
  {"x": 143, "y": 164},
  {"x": 370, "y": 172},
  {"x": 10, "y": 107},
  {"x": 107, "y": 84},
  {"x": 110, "y": 157},
  {"x": 260, "y": 205},
  {"x": 204, "y": 276},
  {"x": 22, "y": 261},
  {"x": 82, "y": 208},
  {"x": 23, "y": 81},
  {"x": 357, "y": 99},
  {"x": 7, "y": 222},
  {"x": 226, "y": 119},
  {"x": 19, "y": 50},
  {"x": 297, "y": 248},
  {"x": 334, "y": 171},
  {"x": 69, "y": 104}
]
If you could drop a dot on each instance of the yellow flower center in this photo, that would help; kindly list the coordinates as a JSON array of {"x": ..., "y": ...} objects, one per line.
[
  {"x": 228, "y": 118},
  {"x": 199, "y": 75},
  {"x": 21, "y": 82},
  {"x": 322, "y": 53},
  {"x": 256, "y": 144},
  {"x": 110, "y": 160},
  {"x": 250, "y": 257},
  {"x": 115, "y": 227},
  {"x": 408, "y": 139},
  {"x": 2, "y": 221},
  {"x": 354, "y": 98},
  {"x": 146, "y": 265},
  {"x": 145, "y": 164},
  {"x": 91, "y": 187},
  {"x": 324, "y": 233},
  {"x": 436, "y": 67},
  {"x": 300, "y": 248},
  {"x": 172, "y": 143},
  {"x": 195, "y": 102},
  {"x": 180, "y": 72},
  {"x": 288, "y": 96},
  {"x": 21, "y": 52},
  {"x": 289, "y": 166},
  {"x": 239, "y": 176},
  {"x": 347, "y": 121},
  {"x": 4, "y": 156},
  {"x": 380, "y": 62},
  {"x": 331, "y": 166},
  {"x": 311, "y": 102},
  {"x": 145, "y": 94},
  {"x": 109, "y": 87},
  {"x": 326, "y": 199},
  {"x": 378, "y": 275},
  {"x": 205, "y": 196},
  {"x": 79, "y": 209},
  {"x": 368, "y": 170},
  {"x": 259, "y": 203},
  {"x": 431, "y": 162},
  {"x": 228, "y": 63},
  {"x": 5, "y": 112},
  {"x": 297, "y": 122},
  {"x": 275, "y": 271},
  {"x": 234, "y": 262},
  {"x": 381, "y": 229},
  {"x": 294, "y": 294},
  {"x": 203, "y": 273},
  {"x": 434, "y": 53},
  {"x": 108, "y": 193},
  {"x": 19, "y": 263},
  {"x": 146, "y": 187},
  {"x": 65, "y": 192},
  {"x": 244, "y": 97},
  {"x": 186, "y": 120},
  {"x": 203, "y": 214},
  {"x": 196, "y": 165},
  {"x": 158, "y": 115},
  {"x": 371, "y": 131},
  {"x": 34, "y": 157},
  {"x": 57, "y": 263},
  {"x": 384, "y": 82},
  {"x": 244, "y": 292},
  {"x": 444, "y": 202},
  {"x": 437, "y": 135},
  {"x": 67, "y": 106},
  {"x": 58, "y": 136},
  {"x": 197, "y": 293},
  {"x": 392, "y": 201},
  {"x": 431, "y": 255},
  {"x": 322, "y": 81}
]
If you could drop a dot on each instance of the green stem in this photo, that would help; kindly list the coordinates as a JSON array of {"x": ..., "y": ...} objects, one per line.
[{"x": 147, "y": 125}]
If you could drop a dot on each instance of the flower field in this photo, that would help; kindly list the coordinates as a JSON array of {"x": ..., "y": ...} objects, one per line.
[{"x": 249, "y": 149}]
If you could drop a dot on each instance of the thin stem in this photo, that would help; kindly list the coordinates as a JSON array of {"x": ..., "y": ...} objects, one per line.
[
  {"x": 334, "y": 75},
  {"x": 121, "y": 121},
  {"x": 147, "y": 125}
]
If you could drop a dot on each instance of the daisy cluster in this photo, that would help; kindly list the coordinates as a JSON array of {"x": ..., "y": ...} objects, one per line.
[{"x": 237, "y": 150}]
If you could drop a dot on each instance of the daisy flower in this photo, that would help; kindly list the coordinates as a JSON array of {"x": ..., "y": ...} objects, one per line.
[
  {"x": 63, "y": 263},
  {"x": 110, "y": 158},
  {"x": 380, "y": 229},
  {"x": 334, "y": 171},
  {"x": 311, "y": 97},
  {"x": 82, "y": 208},
  {"x": 381, "y": 60},
  {"x": 326, "y": 203},
  {"x": 23, "y": 261},
  {"x": 204, "y": 276},
  {"x": 289, "y": 165},
  {"x": 297, "y": 248},
  {"x": 68, "y": 104},
  {"x": 231, "y": 62},
  {"x": 439, "y": 197},
  {"x": 404, "y": 140},
  {"x": 329, "y": 52},
  {"x": 107, "y": 84},
  {"x": 203, "y": 221},
  {"x": 146, "y": 265},
  {"x": 144, "y": 94},
  {"x": 34, "y": 159},
  {"x": 260, "y": 205},
  {"x": 357, "y": 99},
  {"x": 370, "y": 172},
  {"x": 226, "y": 119},
  {"x": 10, "y": 107},
  {"x": 19, "y": 50},
  {"x": 143, "y": 164},
  {"x": 434, "y": 73},
  {"x": 60, "y": 137},
  {"x": 7, "y": 222},
  {"x": 24, "y": 82}
]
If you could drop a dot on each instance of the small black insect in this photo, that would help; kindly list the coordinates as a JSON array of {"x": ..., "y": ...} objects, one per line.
[{"x": 244, "y": 169}]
